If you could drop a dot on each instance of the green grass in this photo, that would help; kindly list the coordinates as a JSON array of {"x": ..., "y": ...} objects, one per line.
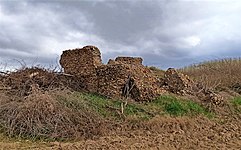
[
  {"x": 112, "y": 108},
  {"x": 178, "y": 107},
  {"x": 237, "y": 103},
  {"x": 108, "y": 108}
]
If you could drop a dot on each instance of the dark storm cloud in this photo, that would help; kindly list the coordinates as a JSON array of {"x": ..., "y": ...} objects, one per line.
[
  {"x": 124, "y": 22},
  {"x": 165, "y": 33},
  {"x": 30, "y": 32}
]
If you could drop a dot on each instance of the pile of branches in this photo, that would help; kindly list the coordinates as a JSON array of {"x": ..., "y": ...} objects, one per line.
[
  {"x": 42, "y": 116},
  {"x": 30, "y": 107},
  {"x": 25, "y": 81}
]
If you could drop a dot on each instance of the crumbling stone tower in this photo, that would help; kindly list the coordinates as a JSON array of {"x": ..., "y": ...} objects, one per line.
[{"x": 82, "y": 62}]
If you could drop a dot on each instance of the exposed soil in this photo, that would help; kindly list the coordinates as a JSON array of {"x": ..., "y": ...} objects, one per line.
[{"x": 158, "y": 133}]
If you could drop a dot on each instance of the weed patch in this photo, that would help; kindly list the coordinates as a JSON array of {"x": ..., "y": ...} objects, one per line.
[
  {"x": 109, "y": 108},
  {"x": 237, "y": 103},
  {"x": 163, "y": 105},
  {"x": 179, "y": 107},
  {"x": 175, "y": 108}
]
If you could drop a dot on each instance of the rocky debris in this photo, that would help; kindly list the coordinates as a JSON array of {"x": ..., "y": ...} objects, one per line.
[
  {"x": 181, "y": 84},
  {"x": 177, "y": 83},
  {"x": 129, "y": 60},
  {"x": 111, "y": 79},
  {"x": 210, "y": 99},
  {"x": 146, "y": 83},
  {"x": 126, "y": 60},
  {"x": 125, "y": 80}
]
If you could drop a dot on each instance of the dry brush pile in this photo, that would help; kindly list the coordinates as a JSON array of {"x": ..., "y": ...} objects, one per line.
[{"x": 30, "y": 107}]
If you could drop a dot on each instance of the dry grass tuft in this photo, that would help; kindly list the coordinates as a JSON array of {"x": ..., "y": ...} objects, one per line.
[
  {"x": 157, "y": 72},
  {"x": 40, "y": 115},
  {"x": 219, "y": 74}
]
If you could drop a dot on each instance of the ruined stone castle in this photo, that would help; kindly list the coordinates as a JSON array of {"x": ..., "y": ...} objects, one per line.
[{"x": 124, "y": 77}]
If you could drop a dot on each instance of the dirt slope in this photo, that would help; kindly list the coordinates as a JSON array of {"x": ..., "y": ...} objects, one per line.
[{"x": 159, "y": 133}]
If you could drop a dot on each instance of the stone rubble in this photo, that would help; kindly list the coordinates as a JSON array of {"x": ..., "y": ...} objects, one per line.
[{"x": 125, "y": 77}]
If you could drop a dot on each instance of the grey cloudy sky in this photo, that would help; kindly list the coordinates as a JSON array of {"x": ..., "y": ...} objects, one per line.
[{"x": 166, "y": 33}]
